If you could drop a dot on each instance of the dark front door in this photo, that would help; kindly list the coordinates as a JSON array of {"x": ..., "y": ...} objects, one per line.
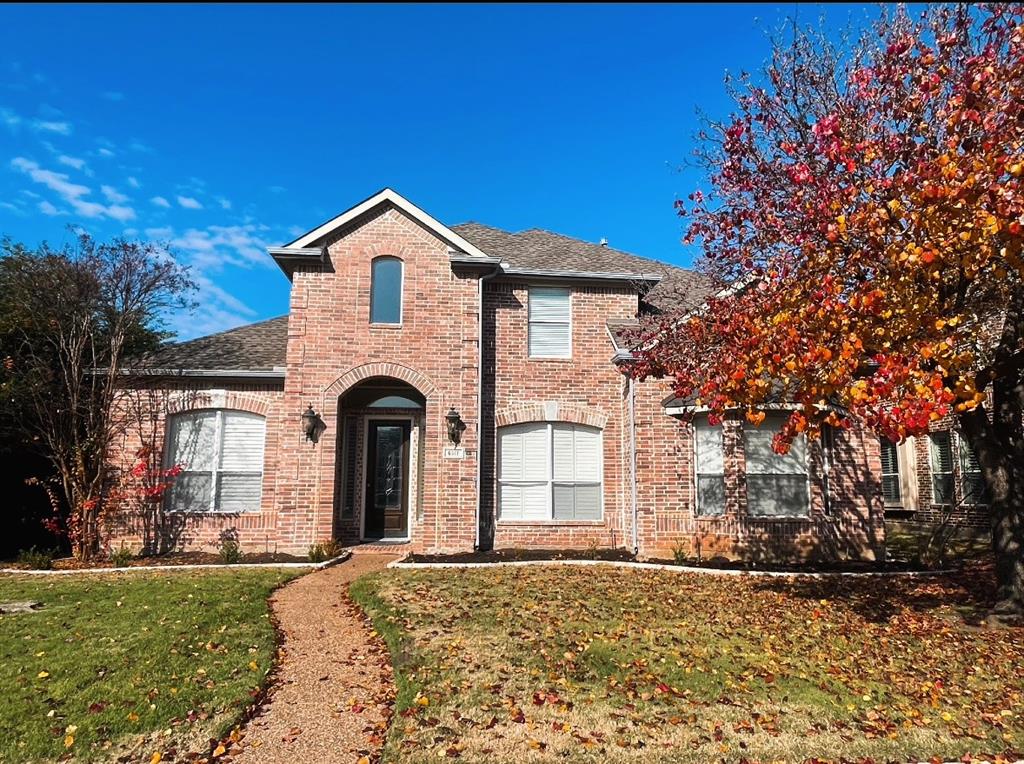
[{"x": 387, "y": 479}]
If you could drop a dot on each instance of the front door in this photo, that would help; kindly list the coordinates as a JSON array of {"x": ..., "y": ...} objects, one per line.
[{"x": 387, "y": 479}]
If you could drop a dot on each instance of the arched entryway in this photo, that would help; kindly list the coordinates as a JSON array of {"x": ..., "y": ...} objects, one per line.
[{"x": 379, "y": 460}]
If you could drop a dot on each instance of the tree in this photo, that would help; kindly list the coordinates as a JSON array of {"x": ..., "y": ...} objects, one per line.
[
  {"x": 864, "y": 224},
  {"x": 69, "y": 318}
]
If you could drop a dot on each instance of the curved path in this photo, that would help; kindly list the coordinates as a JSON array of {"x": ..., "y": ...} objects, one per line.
[{"x": 331, "y": 698}]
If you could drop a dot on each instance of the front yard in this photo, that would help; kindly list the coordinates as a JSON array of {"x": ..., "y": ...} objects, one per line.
[
  {"x": 605, "y": 664},
  {"x": 131, "y": 665}
]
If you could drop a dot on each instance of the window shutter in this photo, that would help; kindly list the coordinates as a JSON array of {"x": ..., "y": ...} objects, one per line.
[
  {"x": 549, "y": 305},
  {"x": 776, "y": 483},
  {"x": 587, "y": 442},
  {"x": 710, "y": 451},
  {"x": 192, "y": 441},
  {"x": 942, "y": 452},
  {"x": 239, "y": 493},
  {"x": 890, "y": 472},
  {"x": 242, "y": 442}
]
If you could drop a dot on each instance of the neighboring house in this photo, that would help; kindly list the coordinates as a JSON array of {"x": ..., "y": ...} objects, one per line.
[{"x": 470, "y": 391}]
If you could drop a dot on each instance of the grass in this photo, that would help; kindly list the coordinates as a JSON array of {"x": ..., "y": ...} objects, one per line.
[
  {"x": 131, "y": 665},
  {"x": 604, "y": 664}
]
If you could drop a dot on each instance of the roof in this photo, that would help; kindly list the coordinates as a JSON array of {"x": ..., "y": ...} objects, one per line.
[
  {"x": 537, "y": 249},
  {"x": 259, "y": 347}
]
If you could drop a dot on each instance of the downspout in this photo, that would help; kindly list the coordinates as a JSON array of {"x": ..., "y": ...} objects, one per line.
[
  {"x": 480, "y": 402},
  {"x": 632, "y": 456}
]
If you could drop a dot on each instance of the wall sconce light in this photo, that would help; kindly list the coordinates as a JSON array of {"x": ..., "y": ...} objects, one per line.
[
  {"x": 455, "y": 426},
  {"x": 312, "y": 425}
]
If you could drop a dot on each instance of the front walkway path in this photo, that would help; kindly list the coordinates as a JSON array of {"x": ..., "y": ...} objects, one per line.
[{"x": 330, "y": 701}]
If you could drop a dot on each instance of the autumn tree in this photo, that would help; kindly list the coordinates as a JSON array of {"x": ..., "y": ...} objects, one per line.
[
  {"x": 69, "y": 318},
  {"x": 864, "y": 223}
]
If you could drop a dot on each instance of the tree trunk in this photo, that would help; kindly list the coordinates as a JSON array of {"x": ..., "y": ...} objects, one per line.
[{"x": 999, "y": 446}]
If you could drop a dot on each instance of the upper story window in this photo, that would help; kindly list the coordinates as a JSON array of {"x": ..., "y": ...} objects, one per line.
[
  {"x": 550, "y": 322},
  {"x": 221, "y": 456},
  {"x": 386, "y": 291},
  {"x": 549, "y": 471},
  {"x": 710, "y": 468},
  {"x": 777, "y": 484}
]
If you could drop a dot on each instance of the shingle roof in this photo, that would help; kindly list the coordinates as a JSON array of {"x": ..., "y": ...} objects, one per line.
[
  {"x": 543, "y": 250},
  {"x": 254, "y": 347}
]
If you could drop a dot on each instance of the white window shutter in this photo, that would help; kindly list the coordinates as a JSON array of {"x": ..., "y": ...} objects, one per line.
[
  {"x": 562, "y": 451},
  {"x": 549, "y": 305},
  {"x": 535, "y": 452},
  {"x": 550, "y": 322},
  {"x": 192, "y": 441},
  {"x": 710, "y": 453},
  {"x": 588, "y": 454}
]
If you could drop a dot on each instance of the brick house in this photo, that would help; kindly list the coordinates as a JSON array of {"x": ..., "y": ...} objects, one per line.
[{"x": 464, "y": 387}]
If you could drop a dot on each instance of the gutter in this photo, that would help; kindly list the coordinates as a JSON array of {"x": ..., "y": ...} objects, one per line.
[
  {"x": 649, "y": 278},
  {"x": 497, "y": 265},
  {"x": 276, "y": 373}
]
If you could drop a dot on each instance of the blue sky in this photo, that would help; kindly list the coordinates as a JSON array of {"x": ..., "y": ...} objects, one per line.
[{"x": 225, "y": 129}]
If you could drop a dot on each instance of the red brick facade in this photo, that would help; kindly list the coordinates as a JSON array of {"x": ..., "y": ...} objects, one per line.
[{"x": 332, "y": 349}]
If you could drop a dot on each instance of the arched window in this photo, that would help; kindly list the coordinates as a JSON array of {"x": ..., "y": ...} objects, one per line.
[
  {"x": 220, "y": 453},
  {"x": 386, "y": 291}
]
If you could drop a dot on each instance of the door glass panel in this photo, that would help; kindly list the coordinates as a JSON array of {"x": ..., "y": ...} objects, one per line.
[{"x": 388, "y": 472}]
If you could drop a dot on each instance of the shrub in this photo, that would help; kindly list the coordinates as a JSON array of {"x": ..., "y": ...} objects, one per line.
[
  {"x": 680, "y": 554},
  {"x": 122, "y": 557},
  {"x": 230, "y": 550},
  {"x": 324, "y": 550},
  {"x": 36, "y": 559}
]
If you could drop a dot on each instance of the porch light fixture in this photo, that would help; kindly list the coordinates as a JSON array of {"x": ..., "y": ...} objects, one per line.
[
  {"x": 455, "y": 426},
  {"x": 312, "y": 425}
]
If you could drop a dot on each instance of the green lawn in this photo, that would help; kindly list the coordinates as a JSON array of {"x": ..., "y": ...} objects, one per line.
[
  {"x": 131, "y": 664},
  {"x": 604, "y": 664}
]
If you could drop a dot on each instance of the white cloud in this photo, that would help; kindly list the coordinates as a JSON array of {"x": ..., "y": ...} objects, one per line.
[
  {"x": 277, "y": 189},
  {"x": 112, "y": 95},
  {"x": 49, "y": 126},
  {"x": 113, "y": 195},
  {"x": 165, "y": 232},
  {"x": 9, "y": 118},
  {"x": 131, "y": 232},
  {"x": 133, "y": 182},
  {"x": 225, "y": 204},
  {"x": 159, "y": 201},
  {"x": 48, "y": 209},
  {"x": 17, "y": 210},
  {"x": 74, "y": 162},
  {"x": 105, "y": 152},
  {"x": 71, "y": 193},
  {"x": 190, "y": 203}
]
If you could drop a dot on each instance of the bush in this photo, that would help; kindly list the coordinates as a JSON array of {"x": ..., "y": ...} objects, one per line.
[
  {"x": 681, "y": 554},
  {"x": 122, "y": 557},
  {"x": 36, "y": 559},
  {"x": 230, "y": 550},
  {"x": 324, "y": 550}
]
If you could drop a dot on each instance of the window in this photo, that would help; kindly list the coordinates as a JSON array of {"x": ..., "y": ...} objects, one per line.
[
  {"x": 348, "y": 466},
  {"x": 710, "y": 468},
  {"x": 221, "y": 456},
  {"x": 549, "y": 471},
  {"x": 550, "y": 323},
  {"x": 942, "y": 467},
  {"x": 973, "y": 481},
  {"x": 776, "y": 483},
  {"x": 386, "y": 291},
  {"x": 891, "y": 473}
]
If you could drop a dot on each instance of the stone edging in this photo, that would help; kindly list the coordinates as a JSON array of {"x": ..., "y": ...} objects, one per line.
[
  {"x": 674, "y": 568},
  {"x": 203, "y": 566}
]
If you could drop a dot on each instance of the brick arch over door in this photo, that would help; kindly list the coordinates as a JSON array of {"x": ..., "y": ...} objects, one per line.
[
  {"x": 353, "y": 377},
  {"x": 551, "y": 411}
]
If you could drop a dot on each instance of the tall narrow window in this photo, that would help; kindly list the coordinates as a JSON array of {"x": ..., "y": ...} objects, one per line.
[
  {"x": 550, "y": 319},
  {"x": 386, "y": 291},
  {"x": 710, "y": 468},
  {"x": 891, "y": 473},
  {"x": 776, "y": 483},
  {"x": 348, "y": 467},
  {"x": 221, "y": 456},
  {"x": 973, "y": 481},
  {"x": 942, "y": 467}
]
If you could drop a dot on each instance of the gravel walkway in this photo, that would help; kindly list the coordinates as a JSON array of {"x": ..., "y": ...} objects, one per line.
[{"x": 332, "y": 697}]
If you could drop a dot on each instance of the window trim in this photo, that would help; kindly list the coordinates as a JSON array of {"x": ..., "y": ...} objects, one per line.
[
  {"x": 550, "y": 518},
  {"x": 697, "y": 474},
  {"x": 809, "y": 513},
  {"x": 401, "y": 290},
  {"x": 216, "y": 471},
  {"x": 530, "y": 322}
]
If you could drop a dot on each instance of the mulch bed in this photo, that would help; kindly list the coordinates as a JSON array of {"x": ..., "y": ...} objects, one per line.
[
  {"x": 169, "y": 560},
  {"x": 527, "y": 555},
  {"x": 839, "y": 566}
]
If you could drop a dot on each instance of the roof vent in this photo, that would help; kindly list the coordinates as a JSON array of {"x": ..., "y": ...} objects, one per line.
[{"x": 603, "y": 242}]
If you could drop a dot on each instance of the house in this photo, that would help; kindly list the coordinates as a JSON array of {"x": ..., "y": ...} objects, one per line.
[{"x": 461, "y": 387}]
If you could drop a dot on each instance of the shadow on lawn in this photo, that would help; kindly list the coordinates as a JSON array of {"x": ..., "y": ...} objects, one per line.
[{"x": 968, "y": 593}]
